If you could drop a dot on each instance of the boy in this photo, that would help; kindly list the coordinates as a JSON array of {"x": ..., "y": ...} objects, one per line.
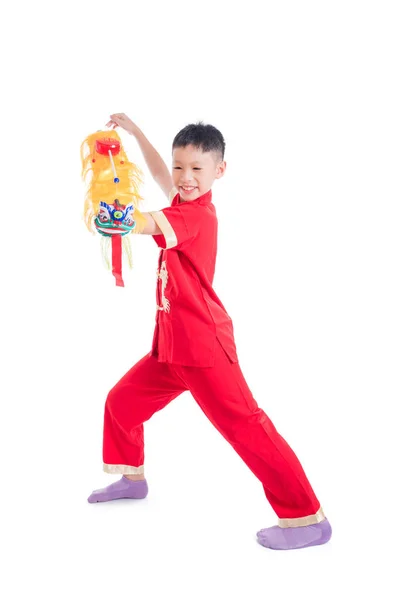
[{"x": 194, "y": 349}]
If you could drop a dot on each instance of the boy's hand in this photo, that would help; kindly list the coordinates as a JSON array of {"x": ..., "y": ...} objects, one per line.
[{"x": 121, "y": 120}]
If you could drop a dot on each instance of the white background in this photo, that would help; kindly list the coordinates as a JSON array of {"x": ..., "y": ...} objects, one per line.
[{"x": 307, "y": 97}]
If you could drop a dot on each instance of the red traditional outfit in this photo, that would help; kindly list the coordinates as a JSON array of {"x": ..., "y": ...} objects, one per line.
[{"x": 194, "y": 349}]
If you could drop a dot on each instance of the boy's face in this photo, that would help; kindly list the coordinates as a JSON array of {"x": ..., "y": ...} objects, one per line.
[{"x": 194, "y": 171}]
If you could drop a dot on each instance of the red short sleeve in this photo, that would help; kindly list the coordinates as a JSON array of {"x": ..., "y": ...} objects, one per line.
[{"x": 179, "y": 224}]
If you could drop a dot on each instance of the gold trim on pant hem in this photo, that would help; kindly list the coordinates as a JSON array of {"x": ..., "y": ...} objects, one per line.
[
  {"x": 123, "y": 469},
  {"x": 303, "y": 521}
]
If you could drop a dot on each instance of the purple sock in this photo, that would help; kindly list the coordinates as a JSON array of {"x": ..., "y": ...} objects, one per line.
[
  {"x": 123, "y": 488},
  {"x": 290, "y": 538}
]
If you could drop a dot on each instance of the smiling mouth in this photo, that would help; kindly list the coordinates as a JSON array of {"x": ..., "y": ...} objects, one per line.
[{"x": 188, "y": 190}]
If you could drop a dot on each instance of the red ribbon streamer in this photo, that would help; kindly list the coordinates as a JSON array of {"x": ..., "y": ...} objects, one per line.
[{"x": 116, "y": 251}]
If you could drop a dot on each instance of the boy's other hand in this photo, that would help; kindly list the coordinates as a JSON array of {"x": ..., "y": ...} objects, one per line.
[{"x": 122, "y": 120}]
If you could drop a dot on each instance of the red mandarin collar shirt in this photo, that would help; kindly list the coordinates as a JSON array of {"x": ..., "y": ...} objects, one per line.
[{"x": 190, "y": 318}]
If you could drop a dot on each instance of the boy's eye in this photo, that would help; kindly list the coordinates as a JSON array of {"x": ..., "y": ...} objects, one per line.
[{"x": 194, "y": 168}]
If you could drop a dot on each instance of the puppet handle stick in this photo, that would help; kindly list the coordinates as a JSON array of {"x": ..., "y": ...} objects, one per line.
[{"x": 116, "y": 180}]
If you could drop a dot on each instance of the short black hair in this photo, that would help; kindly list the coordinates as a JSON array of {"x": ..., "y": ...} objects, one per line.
[{"x": 205, "y": 137}]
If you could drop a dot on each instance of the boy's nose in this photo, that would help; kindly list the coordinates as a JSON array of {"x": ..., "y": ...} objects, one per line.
[{"x": 186, "y": 178}]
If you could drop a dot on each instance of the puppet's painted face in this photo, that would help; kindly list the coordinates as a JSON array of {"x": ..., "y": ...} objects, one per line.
[{"x": 115, "y": 219}]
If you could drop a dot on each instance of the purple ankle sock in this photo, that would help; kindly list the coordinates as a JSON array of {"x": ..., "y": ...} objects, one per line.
[
  {"x": 123, "y": 488},
  {"x": 291, "y": 538}
]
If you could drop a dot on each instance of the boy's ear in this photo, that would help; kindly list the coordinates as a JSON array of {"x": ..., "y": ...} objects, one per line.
[{"x": 221, "y": 168}]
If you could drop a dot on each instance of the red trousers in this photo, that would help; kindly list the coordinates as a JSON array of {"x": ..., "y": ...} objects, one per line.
[{"x": 223, "y": 395}]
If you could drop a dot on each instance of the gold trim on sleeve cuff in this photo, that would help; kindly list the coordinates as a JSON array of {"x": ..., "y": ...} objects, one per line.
[
  {"x": 303, "y": 521},
  {"x": 166, "y": 228},
  {"x": 123, "y": 469}
]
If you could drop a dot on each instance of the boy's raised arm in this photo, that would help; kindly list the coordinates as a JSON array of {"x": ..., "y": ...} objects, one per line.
[{"x": 155, "y": 163}]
